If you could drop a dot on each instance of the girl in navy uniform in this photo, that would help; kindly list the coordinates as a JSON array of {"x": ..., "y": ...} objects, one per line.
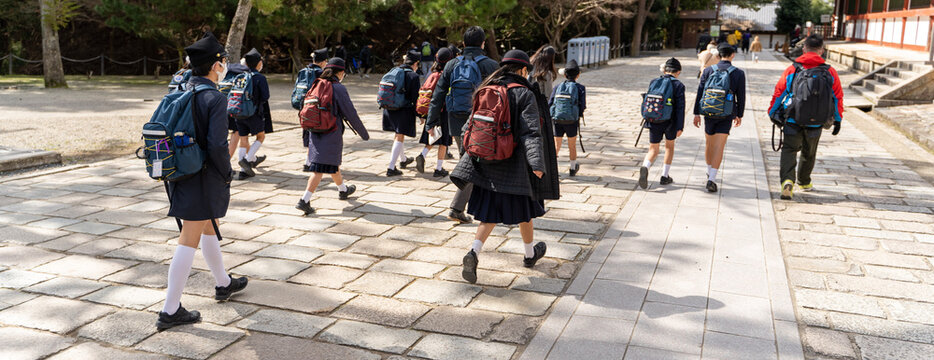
[
  {"x": 320, "y": 60},
  {"x": 506, "y": 192},
  {"x": 203, "y": 198},
  {"x": 325, "y": 150},
  {"x": 402, "y": 121},
  {"x": 257, "y": 124},
  {"x": 441, "y": 124}
]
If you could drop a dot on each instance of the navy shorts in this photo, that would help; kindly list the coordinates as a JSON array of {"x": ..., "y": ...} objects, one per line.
[
  {"x": 251, "y": 126},
  {"x": 231, "y": 123},
  {"x": 657, "y": 131},
  {"x": 570, "y": 130},
  {"x": 717, "y": 126}
]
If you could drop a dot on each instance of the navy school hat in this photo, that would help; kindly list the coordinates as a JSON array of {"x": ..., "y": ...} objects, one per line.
[
  {"x": 320, "y": 54},
  {"x": 444, "y": 55},
  {"x": 335, "y": 63},
  {"x": 572, "y": 69},
  {"x": 673, "y": 64},
  {"x": 205, "y": 51},
  {"x": 725, "y": 47},
  {"x": 516, "y": 56}
]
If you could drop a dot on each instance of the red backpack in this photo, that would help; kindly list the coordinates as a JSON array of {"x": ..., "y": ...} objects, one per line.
[
  {"x": 489, "y": 134},
  {"x": 316, "y": 114},
  {"x": 426, "y": 92}
]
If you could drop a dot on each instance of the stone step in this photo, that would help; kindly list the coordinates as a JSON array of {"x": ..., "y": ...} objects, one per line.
[
  {"x": 866, "y": 93},
  {"x": 876, "y": 86},
  {"x": 901, "y": 73},
  {"x": 16, "y": 159},
  {"x": 887, "y": 79}
]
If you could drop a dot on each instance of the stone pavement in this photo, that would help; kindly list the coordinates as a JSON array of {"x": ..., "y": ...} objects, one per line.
[
  {"x": 84, "y": 255},
  {"x": 913, "y": 120},
  {"x": 683, "y": 273}
]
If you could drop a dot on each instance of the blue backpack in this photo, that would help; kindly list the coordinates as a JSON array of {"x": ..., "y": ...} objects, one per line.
[
  {"x": 565, "y": 107},
  {"x": 464, "y": 80},
  {"x": 391, "y": 95},
  {"x": 306, "y": 77},
  {"x": 170, "y": 147},
  {"x": 717, "y": 101},
  {"x": 240, "y": 103},
  {"x": 233, "y": 70},
  {"x": 657, "y": 103},
  {"x": 179, "y": 80}
]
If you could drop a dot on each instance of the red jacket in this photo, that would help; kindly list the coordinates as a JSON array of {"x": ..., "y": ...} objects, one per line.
[{"x": 809, "y": 60}]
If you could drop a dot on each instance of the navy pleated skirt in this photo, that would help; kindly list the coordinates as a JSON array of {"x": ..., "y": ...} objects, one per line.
[
  {"x": 324, "y": 168},
  {"x": 498, "y": 208}
]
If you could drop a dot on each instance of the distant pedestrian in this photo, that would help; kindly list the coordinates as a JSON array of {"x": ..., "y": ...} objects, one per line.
[
  {"x": 807, "y": 98},
  {"x": 397, "y": 96},
  {"x": 755, "y": 47},
  {"x": 567, "y": 103},
  {"x": 256, "y": 124},
  {"x": 703, "y": 39},
  {"x": 721, "y": 99},
  {"x": 667, "y": 120},
  {"x": 440, "y": 130},
  {"x": 325, "y": 140},
  {"x": 428, "y": 52},
  {"x": 366, "y": 60},
  {"x": 203, "y": 198},
  {"x": 747, "y": 40},
  {"x": 707, "y": 58},
  {"x": 340, "y": 51},
  {"x": 543, "y": 71}
]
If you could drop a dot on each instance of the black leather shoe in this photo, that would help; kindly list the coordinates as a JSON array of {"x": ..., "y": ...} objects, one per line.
[
  {"x": 246, "y": 168},
  {"x": 643, "y": 177},
  {"x": 406, "y": 162},
  {"x": 180, "y": 317},
  {"x": 440, "y": 173},
  {"x": 259, "y": 159},
  {"x": 393, "y": 172},
  {"x": 305, "y": 207},
  {"x": 470, "y": 267},
  {"x": 223, "y": 293},
  {"x": 711, "y": 186},
  {"x": 448, "y": 156},
  {"x": 665, "y": 180},
  {"x": 420, "y": 163},
  {"x": 573, "y": 171},
  {"x": 343, "y": 195},
  {"x": 459, "y": 216},
  {"x": 540, "y": 249}
]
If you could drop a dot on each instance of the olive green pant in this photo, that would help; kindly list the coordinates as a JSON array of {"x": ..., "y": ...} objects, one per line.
[{"x": 803, "y": 140}]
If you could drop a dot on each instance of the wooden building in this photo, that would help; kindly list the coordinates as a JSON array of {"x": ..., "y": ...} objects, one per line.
[{"x": 904, "y": 24}]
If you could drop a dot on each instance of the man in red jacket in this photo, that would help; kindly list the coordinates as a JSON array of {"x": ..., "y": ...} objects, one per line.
[{"x": 800, "y": 137}]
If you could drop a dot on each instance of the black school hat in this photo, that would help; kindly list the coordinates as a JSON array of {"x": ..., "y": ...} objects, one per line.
[
  {"x": 673, "y": 64},
  {"x": 320, "y": 54},
  {"x": 253, "y": 57},
  {"x": 335, "y": 63},
  {"x": 516, "y": 56},
  {"x": 412, "y": 56},
  {"x": 444, "y": 55},
  {"x": 572, "y": 69},
  {"x": 725, "y": 47},
  {"x": 205, "y": 51}
]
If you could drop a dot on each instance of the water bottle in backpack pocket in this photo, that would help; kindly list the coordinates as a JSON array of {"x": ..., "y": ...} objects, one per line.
[
  {"x": 657, "y": 103},
  {"x": 717, "y": 99},
  {"x": 465, "y": 77},
  {"x": 489, "y": 136},
  {"x": 240, "y": 103},
  {"x": 565, "y": 109},
  {"x": 170, "y": 147},
  {"x": 391, "y": 94}
]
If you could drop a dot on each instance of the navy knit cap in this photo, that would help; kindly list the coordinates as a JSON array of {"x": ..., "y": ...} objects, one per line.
[
  {"x": 335, "y": 63},
  {"x": 444, "y": 55},
  {"x": 516, "y": 56}
]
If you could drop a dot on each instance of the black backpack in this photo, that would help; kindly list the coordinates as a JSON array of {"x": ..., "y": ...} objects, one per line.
[{"x": 810, "y": 102}]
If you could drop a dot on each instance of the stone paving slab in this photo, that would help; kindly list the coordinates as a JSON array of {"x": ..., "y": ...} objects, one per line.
[
  {"x": 44, "y": 313},
  {"x": 198, "y": 341},
  {"x": 19, "y": 343}
]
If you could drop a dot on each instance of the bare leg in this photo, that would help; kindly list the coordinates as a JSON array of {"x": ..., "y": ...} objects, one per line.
[
  {"x": 669, "y": 151},
  {"x": 719, "y": 143},
  {"x": 652, "y": 154},
  {"x": 190, "y": 235},
  {"x": 442, "y": 152},
  {"x": 313, "y": 181},
  {"x": 572, "y": 148},
  {"x": 234, "y": 141},
  {"x": 484, "y": 230},
  {"x": 558, "y": 141},
  {"x": 261, "y": 137},
  {"x": 400, "y": 137},
  {"x": 526, "y": 230},
  {"x": 245, "y": 142},
  {"x": 708, "y": 149},
  {"x": 337, "y": 177}
]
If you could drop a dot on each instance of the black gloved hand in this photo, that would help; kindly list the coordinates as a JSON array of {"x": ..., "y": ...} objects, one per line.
[{"x": 836, "y": 128}]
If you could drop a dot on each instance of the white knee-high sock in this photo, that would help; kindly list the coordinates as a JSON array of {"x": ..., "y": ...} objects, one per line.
[
  {"x": 425, "y": 151},
  {"x": 394, "y": 155},
  {"x": 178, "y": 276},
  {"x": 211, "y": 250},
  {"x": 646, "y": 163},
  {"x": 712, "y": 174},
  {"x": 529, "y": 250},
  {"x": 440, "y": 165},
  {"x": 665, "y": 169},
  {"x": 307, "y": 196},
  {"x": 251, "y": 155},
  {"x": 476, "y": 246},
  {"x": 241, "y": 153}
]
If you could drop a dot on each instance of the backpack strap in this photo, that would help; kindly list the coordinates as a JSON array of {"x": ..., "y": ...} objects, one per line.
[
  {"x": 480, "y": 58},
  {"x": 730, "y": 69}
]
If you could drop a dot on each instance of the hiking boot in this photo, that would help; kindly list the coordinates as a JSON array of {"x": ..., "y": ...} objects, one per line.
[
  {"x": 806, "y": 187},
  {"x": 222, "y": 293},
  {"x": 259, "y": 159},
  {"x": 643, "y": 177},
  {"x": 393, "y": 172},
  {"x": 440, "y": 173},
  {"x": 180, "y": 317},
  {"x": 665, "y": 180},
  {"x": 420, "y": 163},
  {"x": 711, "y": 186},
  {"x": 448, "y": 156},
  {"x": 787, "y": 189},
  {"x": 470, "y": 267},
  {"x": 306, "y": 168},
  {"x": 573, "y": 171},
  {"x": 343, "y": 195},
  {"x": 539, "y": 253},
  {"x": 459, "y": 216},
  {"x": 405, "y": 163},
  {"x": 305, "y": 207},
  {"x": 246, "y": 168}
]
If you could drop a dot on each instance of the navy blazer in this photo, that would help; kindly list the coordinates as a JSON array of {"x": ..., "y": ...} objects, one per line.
[{"x": 737, "y": 86}]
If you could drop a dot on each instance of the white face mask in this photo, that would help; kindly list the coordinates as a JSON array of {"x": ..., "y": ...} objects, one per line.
[{"x": 221, "y": 75}]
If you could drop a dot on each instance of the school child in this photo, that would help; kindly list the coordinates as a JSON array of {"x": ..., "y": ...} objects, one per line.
[
  {"x": 661, "y": 123},
  {"x": 202, "y": 199},
  {"x": 543, "y": 71},
  {"x": 366, "y": 55},
  {"x": 232, "y": 71},
  {"x": 453, "y": 94},
  {"x": 325, "y": 146},
  {"x": 397, "y": 96},
  {"x": 180, "y": 79},
  {"x": 755, "y": 48},
  {"x": 505, "y": 188},
  {"x": 340, "y": 52},
  {"x": 747, "y": 40},
  {"x": 721, "y": 99},
  {"x": 428, "y": 53},
  {"x": 254, "y": 125},
  {"x": 319, "y": 60},
  {"x": 440, "y": 128},
  {"x": 567, "y": 104},
  {"x": 807, "y": 98}
]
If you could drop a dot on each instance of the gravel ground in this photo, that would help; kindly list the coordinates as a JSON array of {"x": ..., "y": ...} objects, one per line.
[{"x": 89, "y": 123}]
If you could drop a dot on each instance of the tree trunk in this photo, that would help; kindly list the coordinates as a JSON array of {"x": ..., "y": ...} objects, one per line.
[
  {"x": 51, "y": 53},
  {"x": 237, "y": 29},
  {"x": 637, "y": 28},
  {"x": 673, "y": 26},
  {"x": 615, "y": 27},
  {"x": 491, "y": 50}
]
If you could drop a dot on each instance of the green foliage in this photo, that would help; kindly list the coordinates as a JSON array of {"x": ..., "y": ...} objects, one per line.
[
  {"x": 314, "y": 18},
  {"x": 59, "y": 13},
  {"x": 818, "y": 8},
  {"x": 178, "y": 22},
  {"x": 791, "y": 13},
  {"x": 266, "y": 7},
  {"x": 456, "y": 15}
]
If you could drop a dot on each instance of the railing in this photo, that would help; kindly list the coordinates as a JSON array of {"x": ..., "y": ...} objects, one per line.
[{"x": 103, "y": 59}]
